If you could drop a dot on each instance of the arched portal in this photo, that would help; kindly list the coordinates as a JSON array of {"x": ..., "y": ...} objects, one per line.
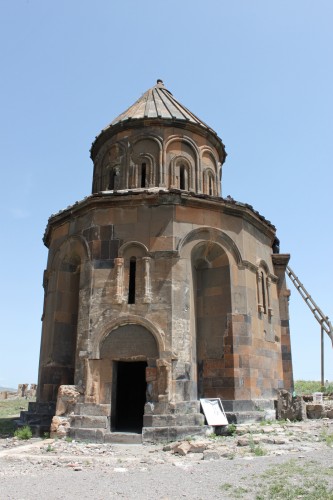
[
  {"x": 131, "y": 349},
  {"x": 212, "y": 302}
]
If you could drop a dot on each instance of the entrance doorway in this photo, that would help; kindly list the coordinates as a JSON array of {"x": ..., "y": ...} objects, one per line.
[{"x": 130, "y": 395}]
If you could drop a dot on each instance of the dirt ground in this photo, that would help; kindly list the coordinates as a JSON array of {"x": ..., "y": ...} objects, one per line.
[{"x": 272, "y": 461}]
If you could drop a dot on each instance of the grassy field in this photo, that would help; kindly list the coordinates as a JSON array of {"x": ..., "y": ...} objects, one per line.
[
  {"x": 311, "y": 386},
  {"x": 9, "y": 410}
]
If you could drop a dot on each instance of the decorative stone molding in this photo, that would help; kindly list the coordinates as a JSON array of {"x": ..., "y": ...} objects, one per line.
[
  {"x": 147, "y": 297},
  {"x": 119, "y": 268},
  {"x": 215, "y": 235},
  {"x": 269, "y": 306},
  {"x": 261, "y": 309}
]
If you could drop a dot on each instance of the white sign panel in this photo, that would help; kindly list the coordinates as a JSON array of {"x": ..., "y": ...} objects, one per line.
[{"x": 214, "y": 412}]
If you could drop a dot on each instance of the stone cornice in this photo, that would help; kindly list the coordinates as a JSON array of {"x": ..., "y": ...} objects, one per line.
[
  {"x": 152, "y": 123},
  {"x": 155, "y": 197},
  {"x": 280, "y": 259}
]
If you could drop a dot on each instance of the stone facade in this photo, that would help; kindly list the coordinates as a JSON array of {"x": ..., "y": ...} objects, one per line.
[{"x": 159, "y": 292}]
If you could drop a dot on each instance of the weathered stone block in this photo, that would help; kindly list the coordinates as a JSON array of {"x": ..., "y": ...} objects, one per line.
[{"x": 289, "y": 407}]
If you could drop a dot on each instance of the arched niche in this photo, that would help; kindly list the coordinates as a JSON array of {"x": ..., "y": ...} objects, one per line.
[
  {"x": 110, "y": 172},
  {"x": 209, "y": 182},
  {"x": 210, "y": 174},
  {"x": 68, "y": 274},
  {"x": 118, "y": 323},
  {"x": 181, "y": 152},
  {"x": 212, "y": 305},
  {"x": 144, "y": 163},
  {"x": 129, "y": 342},
  {"x": 182, "y": 173},
  {"x": 212, "y": 235}
]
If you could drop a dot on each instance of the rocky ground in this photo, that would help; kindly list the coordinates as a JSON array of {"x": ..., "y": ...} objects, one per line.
[{"x": 272, "y": 461}]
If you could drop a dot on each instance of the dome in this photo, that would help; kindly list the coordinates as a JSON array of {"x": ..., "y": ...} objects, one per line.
[
  {"x": 158, "y": 143},
  {"x": 158, "y": 102}
]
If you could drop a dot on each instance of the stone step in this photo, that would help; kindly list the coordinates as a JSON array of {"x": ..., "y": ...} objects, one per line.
[
  {"x": 123, "y": 438},
  {"x": 244, "y": 417},
  {"x": 88, "y": 422},
  {"x": 174, "y": 433},
  {"x": 105, "y": 436},
  {"x": 31, "y": 418},
  {"x": 166, "y": 408},
  {"x": 38, "y": 417},
  {"x": 92, "y": 409},
  {"x": 173, "y": 420},
  {"x": 46, "y": 408},
  {"x": 86, "y": 434},
  {"x": 247, "y": 405},
  {"x": 38, "y": 429}
]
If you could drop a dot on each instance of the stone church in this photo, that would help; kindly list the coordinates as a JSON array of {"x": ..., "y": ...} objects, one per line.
[{"x": 159, "y": 291}]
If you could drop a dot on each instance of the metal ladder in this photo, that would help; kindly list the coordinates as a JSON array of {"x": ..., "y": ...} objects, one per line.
[{"x": 323, "y": 320}]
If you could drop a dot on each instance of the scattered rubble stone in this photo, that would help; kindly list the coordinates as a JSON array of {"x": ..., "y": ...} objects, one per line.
[{"x": 278, "y": 438}]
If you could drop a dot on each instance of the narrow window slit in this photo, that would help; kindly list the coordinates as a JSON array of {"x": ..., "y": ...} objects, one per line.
[
  {"x": 182, "y": 177},
  {"x": 143, "y": 174},
  {"x": 111, "y": 179},
  {"x": 131, "y": 285},
  {"x": 210, "y": 185}
]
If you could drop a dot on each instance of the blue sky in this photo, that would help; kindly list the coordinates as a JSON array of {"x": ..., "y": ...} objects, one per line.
[{"x": 259, "y": 72}]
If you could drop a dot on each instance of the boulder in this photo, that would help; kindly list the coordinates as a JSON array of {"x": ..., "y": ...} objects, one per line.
[
  {"x": 182, "y": 448},
  {"x": 68, "y": 396},
  {"x": 59, "y": 426},
  {"x": 290, "y": 407}
]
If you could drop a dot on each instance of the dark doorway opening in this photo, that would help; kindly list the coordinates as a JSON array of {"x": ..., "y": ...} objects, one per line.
[{"x": 130, "y": 395}]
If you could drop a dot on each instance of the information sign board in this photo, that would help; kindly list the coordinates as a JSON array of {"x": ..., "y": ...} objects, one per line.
[{"x": 214, "y": 412}]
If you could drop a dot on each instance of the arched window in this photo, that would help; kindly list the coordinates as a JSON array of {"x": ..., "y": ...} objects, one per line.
[
  {"x": 209, "y": 184},
  {"x": 133, "y": 274},
  {"x": 131, "y": 282}
]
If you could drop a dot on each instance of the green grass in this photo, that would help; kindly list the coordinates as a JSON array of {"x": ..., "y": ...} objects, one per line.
[
  {"x": 327, "y": 437},
  {"x": 12, "y": 407},
  {"x": 256, "y": 449},
  {"x": 234, "y": 491},
  {"x": 23, "y": 433},
  {"x": 291, "y": 481},
  {"x": 226, "y": 486},
  {"x": 9, "y": 411},
  {"x": 307, "y": 490},
  {"x": 232, "y": 429},
  {"x": 266, "y": 422},
  {"x": 7, "y": 427},
  {"x": 310, "y": 386}
]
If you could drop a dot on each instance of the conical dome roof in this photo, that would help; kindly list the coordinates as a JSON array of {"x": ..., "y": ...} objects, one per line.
[
  {"x": 158, "y": 102},
  {"x": 156, "y": 106}
]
